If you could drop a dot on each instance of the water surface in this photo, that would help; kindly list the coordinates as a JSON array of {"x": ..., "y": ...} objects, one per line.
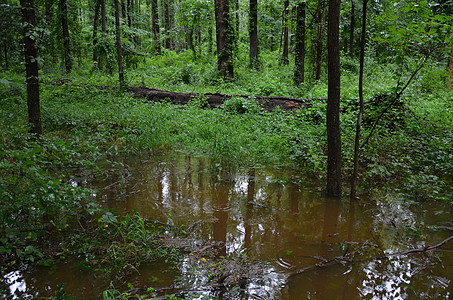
[{"x": 267, "y": 217}]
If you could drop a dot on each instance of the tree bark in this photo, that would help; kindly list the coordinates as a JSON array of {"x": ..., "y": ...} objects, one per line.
[
  {"x": 333, "y": 101},
  {"x": 167, "y": 24},
  {"x": 95, "y": 29},
  {"x": 155, "y": 21},
  {"x": 319, "y": 42},
  {"x": 119, "y": 51},
  {"x": 66, "y": 45},
  {"x": 285, "y": 59},
  {"x": 224, "y": 35},
  {"x": 253, "y": 32},
  {"x": 361, "y": 109},
  {"x": 299, "y": 72},
  {"x": 31, "y": 66},
  {"x": 123, "y": 10},
  {"x": 351, "y": 33},
  {"x": 129, "y": 12},
  {"x": 104, "y": 31},
  {"x": 216, "y": 100}
]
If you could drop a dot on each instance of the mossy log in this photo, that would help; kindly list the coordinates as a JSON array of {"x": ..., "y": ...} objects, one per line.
[{"x": 217, "y": 99}]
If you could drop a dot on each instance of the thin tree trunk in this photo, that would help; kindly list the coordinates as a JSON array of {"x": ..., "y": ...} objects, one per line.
[
  {"x": 123, "y": 10},
  {"x": 104, "y": 31},
  {"x": 236, "y": 31},
  {"x": 190, "y": 38},
  {"x": 361, "y": 109},
  {"x": 118, "y": 45},
  {"x": 64, "y": 23},
  {"x": 155, "y": 21},
  {"x": 225, "y": 35},
  {"x": 299, "y": 72},
  {"x": 351, "y": 33},
  {"x": 333, "y": 101},
  {"x": 450, "y": 73},
  {"x": 167, "y": 24},
  {"x": 319, "y": 42},
  {"x": 103, "y": 18},
  {"x": 210, "y": 35},
  {"x": 95, "y": 29},
  {"x": 285, "y": 59},
  {"x": 129, "y": 12},
  {"x": 31, "y": 66},
  {"x": 253, "y": 32}
]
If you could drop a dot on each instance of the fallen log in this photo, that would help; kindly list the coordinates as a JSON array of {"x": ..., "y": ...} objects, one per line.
[{"x": 217, "y": 99}]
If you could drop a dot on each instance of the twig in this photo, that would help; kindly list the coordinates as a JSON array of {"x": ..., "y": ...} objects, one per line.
[
  {"x": 348, "y": 257},
  {"x": 397, "y": 96}
]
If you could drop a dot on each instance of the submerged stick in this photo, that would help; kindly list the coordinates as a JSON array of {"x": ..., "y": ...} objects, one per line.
[{"x": 349, "y": 257}]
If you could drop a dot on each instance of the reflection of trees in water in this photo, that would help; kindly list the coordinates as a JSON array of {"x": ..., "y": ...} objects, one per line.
[{"x": 266, "y": 217}]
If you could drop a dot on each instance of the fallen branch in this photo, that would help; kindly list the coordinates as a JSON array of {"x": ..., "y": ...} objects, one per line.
[{"x": 349, "y": 257}]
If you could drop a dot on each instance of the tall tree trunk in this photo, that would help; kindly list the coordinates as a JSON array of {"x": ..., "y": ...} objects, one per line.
[
  {"x": 123, "y": 10},
  {"x": 333, "y": 101},
  {"x": 103, "y": 18},
  {"x": 129, "y": 12},
  {"x": 285, "y": 59},
  {"x": 190, "y": 37},
  {"x": 319, "y": 42},
  {"x": 236, "y": 30},
  {"x": 210, "y": 35},
  {"x": 299, "y": 72},
  {"x": 224, "y": 35},
  {"x": 31, "y": 66},
  {"x": 351, "y": 33},
  {"x": 95, "y": 29},
  {"x": 66, "y": 46},
  {"x": 167, "y": 24},
  {"x": 104, "y": 31},
  {"x": 450, "y": 73},
  {"x": 253, "y": 32},
  {"x": 155, "y": 21},
  {"x": 361, "y": 109},
  {"x": 119, "y": 50}
]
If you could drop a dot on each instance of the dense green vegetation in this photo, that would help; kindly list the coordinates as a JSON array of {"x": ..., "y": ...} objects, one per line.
[{"x": 88, "y": 123}]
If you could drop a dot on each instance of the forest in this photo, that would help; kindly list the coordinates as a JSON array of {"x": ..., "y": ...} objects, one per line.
[{"x": 226, "y": 149}]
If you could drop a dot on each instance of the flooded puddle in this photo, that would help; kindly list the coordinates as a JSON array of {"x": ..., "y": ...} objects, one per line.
[{"x": 308, "y": 246}]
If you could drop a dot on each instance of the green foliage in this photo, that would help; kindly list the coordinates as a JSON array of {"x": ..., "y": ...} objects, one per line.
[{"x": 119, "y": 245}]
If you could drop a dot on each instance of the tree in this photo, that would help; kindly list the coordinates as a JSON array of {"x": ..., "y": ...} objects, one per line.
[
  {"x": 351, "y": 32},
  {"x": 333, "y": 101},
  {"x": 285, "y": 59},
  {"x": 66, "y": 40},
  {"x": 167, "y": 24},
  {"x": 10, "y": 28},
  {"x": 361, "y": 108},
  {"x": 119, "y": 51},
  {"x": 224, "y": 35},
  {"x": 319, "y": 40},
  {"x": 299, "y": 71},
  {"x": 31, "y": 66},
  {"x": 95, "y": 29},
  {"x": 253, "y": 32},
  {"x": 155, "y": 26}
]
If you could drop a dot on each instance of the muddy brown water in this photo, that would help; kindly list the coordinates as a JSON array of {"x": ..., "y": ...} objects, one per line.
[{"x": 292, "y": 230}]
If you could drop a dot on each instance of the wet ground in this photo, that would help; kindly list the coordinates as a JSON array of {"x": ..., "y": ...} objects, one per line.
[{"x": 302, "y": 244}]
